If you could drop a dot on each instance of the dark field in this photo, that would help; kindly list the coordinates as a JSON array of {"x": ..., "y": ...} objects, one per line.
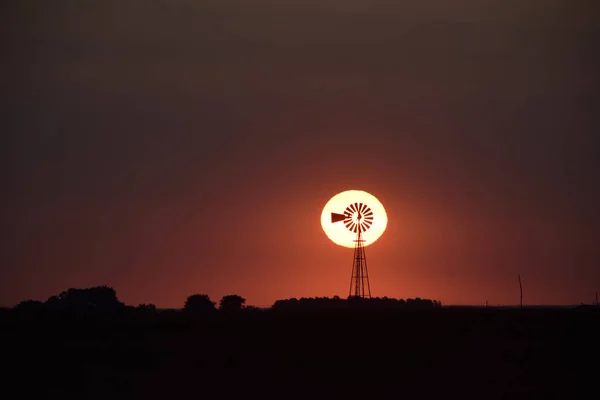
[{"x": 439, "y": 353}]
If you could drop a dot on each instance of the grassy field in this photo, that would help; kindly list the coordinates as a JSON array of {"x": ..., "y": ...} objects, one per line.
[{"x": 439, "y": 353}]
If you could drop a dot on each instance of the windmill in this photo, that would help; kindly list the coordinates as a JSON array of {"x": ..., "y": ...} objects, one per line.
[{"x": 355, "y": 219}]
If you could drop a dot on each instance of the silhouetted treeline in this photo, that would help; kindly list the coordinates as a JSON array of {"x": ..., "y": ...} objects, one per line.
[
  {"x": 353, "y": 303},
  {"x": 99, "y": 299},
  {"x": 104, "y": 300}
]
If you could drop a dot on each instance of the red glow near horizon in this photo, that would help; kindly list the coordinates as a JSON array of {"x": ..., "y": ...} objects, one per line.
[{"x": 198, "y": 156}]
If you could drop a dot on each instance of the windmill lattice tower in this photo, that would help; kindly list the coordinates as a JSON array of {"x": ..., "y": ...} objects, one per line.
[{"x": 357, "y": 218}]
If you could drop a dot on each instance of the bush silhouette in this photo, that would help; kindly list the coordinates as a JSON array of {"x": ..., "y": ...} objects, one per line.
[
  {"x": 147, "y": 307},
  {"x": 30, "y": 309},
  {"x": 199, "y": 303},
  {"x": 232, "y": 302},
  {"x": 353, "y": 303},
  {"x": 29, "y": 305}
]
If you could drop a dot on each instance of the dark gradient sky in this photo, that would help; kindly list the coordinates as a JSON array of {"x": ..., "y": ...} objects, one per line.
[{"x": 166, "y": 148}]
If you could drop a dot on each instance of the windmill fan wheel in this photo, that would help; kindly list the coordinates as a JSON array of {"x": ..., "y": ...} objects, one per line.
[{"x": 358, "y": 216}]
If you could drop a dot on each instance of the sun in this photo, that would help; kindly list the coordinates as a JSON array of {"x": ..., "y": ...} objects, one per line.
[{"x": 343, "y": 233}]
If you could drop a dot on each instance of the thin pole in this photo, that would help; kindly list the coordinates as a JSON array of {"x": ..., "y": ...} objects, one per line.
[{"x": 521, "y": 287}]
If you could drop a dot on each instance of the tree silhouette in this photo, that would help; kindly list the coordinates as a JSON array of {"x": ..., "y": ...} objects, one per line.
[
  {"x": 100, "y": 298},
  {"x": 232, "y": 302},
  {"x": 199, "y": 303}
]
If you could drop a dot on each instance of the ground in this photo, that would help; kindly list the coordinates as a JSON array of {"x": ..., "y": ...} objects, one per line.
[{"x": 438, "y": 353}]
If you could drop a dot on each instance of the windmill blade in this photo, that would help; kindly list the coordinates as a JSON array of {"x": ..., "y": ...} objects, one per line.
[{"x": 335, "y": 217}]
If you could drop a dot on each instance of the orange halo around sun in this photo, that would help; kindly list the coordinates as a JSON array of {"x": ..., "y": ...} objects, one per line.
[{"x": 338, "y": 233}]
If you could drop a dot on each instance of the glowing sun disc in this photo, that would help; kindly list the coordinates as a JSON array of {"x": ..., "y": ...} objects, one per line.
[{"x": 338, "y": 232}]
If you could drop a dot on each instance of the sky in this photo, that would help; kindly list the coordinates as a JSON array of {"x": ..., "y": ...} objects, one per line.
[{"x": 166, "y": 148}]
